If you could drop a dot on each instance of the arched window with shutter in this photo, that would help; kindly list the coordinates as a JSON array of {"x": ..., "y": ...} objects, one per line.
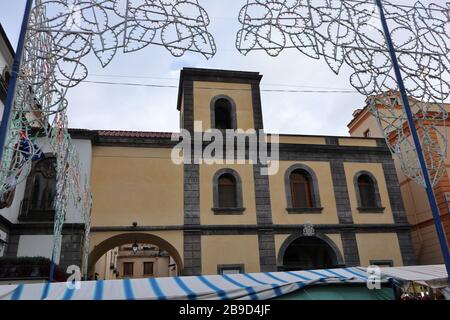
[
  {"x": 227, "y": 192},
  {"x": 302, "y": 190},
  {"x": 367, "y": 193}
]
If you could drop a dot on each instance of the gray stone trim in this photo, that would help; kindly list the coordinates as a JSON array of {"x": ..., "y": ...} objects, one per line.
[
  {"x": 5, "y": 224},
  {"x": 314, "y": 152},
  {"x": 192, "y": 250},
  {"x": 258, "y": 122},
  {"x": 222, "y": 267},
  {"x": 232, "y": 111},
  {"x": 188, "y": 106},
  {"x": 252, "y": 229},
  {"x": 334, "y": 141},
  {"x": 379, "y": 207},
  {"x": 297, "y": 235},
  {"x": 407, "y": 249},
  {"x": 314, "y": 183},
  {"x": 228, "y": 211},
  {"x": 394, "y": 192},
  {"x": 240, "y": 205},
  {"x": 72, "y": 249},
  {"x": 266, "y": 245},
  {"x": 43, "y": 228},
  {"x": 304, "y": 210},
  {"x": 12, "y": 245},
  {"x": 343, "y": 207},
  {"x": 262, "y": 197},
  {"x": 350, "y": 247},
  {"x": 191, "y": 194},
  {"x": 381, "y": 262}
]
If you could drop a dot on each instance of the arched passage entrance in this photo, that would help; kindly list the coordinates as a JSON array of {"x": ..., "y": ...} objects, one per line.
[
  {"x": 127, "y": 238},
  {"x": 299, "y": 252}
]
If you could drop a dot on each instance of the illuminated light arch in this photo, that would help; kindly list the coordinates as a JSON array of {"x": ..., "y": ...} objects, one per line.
[
  {"x": 59, "y": 34},
  {"x": 349, "y": 32}
]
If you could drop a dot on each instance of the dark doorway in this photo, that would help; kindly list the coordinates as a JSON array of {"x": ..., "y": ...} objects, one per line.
[{"x": 307, "y": 253}]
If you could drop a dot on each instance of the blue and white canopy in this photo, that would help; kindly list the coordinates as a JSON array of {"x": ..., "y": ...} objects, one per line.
[{"x": 258, "y": 286}]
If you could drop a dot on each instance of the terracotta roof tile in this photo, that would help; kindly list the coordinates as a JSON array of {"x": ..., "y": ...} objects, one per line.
[{"x": 135, "y": 134}]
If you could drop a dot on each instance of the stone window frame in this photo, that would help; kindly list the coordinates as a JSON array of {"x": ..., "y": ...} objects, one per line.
[
  {"x": 221, "y": 267},
  {"x": 379, "y": 208},
  {"x": 213, "y": 111},
  {"x": 239, "y": 209},
  {"x": 315, "y": 193}
]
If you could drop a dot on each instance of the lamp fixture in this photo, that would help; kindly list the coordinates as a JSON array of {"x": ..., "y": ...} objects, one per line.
[{"x": 135, "y": 247}]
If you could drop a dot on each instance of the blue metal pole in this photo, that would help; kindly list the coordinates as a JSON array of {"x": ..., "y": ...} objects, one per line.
[
  {"x": 412, "y": 127},
  {"x": 6, "y": 119}
]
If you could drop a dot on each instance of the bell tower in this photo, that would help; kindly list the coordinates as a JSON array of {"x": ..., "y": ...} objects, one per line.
[{"x": 219, "y": 99}]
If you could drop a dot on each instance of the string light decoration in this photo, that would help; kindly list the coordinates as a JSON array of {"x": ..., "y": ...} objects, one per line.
[
  {"x": 60, "y": 34},
  {"x": 349, "y": 32}
]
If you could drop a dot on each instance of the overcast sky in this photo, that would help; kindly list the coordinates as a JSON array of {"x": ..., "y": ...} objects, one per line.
[{"x": 97, "y": 106}]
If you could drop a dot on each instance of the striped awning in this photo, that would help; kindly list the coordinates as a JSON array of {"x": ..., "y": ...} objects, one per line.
[
  {"x": 257, "y": 286},
  {"x": 434, "y": 276}
]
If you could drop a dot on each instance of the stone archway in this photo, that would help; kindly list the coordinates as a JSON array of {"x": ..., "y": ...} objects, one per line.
[
  {"x": 299, "y": 252},
  {"x": 126, "y": 238}
]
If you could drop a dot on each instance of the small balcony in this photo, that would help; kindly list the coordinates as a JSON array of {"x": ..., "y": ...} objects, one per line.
[{"x": 40, "y": 211}]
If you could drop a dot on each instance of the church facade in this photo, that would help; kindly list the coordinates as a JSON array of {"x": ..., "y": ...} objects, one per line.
[{"x": 334, "y": 201}]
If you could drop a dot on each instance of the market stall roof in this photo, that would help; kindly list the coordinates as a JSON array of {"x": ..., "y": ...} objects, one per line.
[
  {"x": 430, "y": 275},
  {"x": 256, "y": 286},
  {"x": 259, "y": 286},
  {"x": 416, "y": 273}
]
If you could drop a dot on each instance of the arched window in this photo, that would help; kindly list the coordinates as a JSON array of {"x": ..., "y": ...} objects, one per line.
[
  {"x": 223, "y": 113},
  {"x": 40, "y": 193},
  {"x": 227, "y": 191},
  {"x": 367, "y": 191},
  {"x": 301, "y": 191}
]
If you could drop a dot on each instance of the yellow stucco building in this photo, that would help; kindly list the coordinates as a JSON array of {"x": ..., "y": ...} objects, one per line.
[{"x": 334, "y": 201}]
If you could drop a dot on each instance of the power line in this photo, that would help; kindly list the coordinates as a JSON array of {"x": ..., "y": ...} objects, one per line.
[
  {"x": 177, "y": 79},
  {"x": 218, "y": 88}
]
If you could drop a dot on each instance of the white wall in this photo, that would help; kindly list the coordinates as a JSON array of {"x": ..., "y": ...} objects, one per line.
[
  {"x": 35, "y": 246},
  {"x": 3, "y": 236},
  {"x": 84, "y": 150},
  {"x": 5, "y": 59}
]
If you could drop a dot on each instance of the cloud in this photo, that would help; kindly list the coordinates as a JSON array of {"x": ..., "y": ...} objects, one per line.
[{"x": 154, "y": 109}]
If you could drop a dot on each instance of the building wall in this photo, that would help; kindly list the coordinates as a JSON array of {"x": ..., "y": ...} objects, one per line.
[
  {"x": 136, "y": 185},
  {"x": 376, "y": 169},
  {"x": 35, "y": 246},
  {"x": 181, "y": 198},
  {"x": 278, "y": 195},
  {"x": 417, "y": 208},
  {"x": 231, "y": 250},
  {"x": 207, "y": 216},
  {"x": 383, "y": 247},
  {"x": 241, "y": 94}
]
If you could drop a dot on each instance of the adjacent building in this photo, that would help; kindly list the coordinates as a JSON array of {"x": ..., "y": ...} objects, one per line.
[{"x": 425, "y": 240}]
